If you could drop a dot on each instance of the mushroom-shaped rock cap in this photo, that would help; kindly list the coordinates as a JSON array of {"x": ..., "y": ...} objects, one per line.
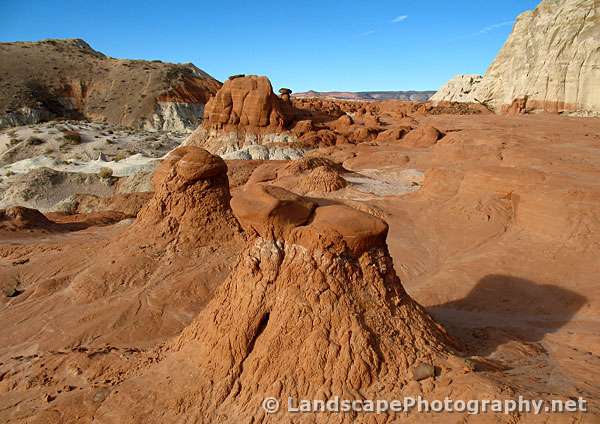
[
  {"x": 195, "y": 164},
  {"x": 275, "y": 213},
  {"x": 189, "y": 164},
  {"x": 270, "y": 211},
  {"x": 358, "y": 230},
  {"x": 190, "y": 204},
  {"x": 285, "y": 91}
]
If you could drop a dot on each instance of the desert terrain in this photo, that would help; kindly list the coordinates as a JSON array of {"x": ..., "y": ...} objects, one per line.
[
  {"x": 492, "y": 229},
  {"x": 264, "y": 244}
]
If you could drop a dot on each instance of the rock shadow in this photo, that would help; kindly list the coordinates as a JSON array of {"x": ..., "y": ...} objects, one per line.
[{"x": 503, "y": 308}]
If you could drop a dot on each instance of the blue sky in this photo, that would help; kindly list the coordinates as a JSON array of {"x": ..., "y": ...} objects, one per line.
[{"x": 323, "y": 45}]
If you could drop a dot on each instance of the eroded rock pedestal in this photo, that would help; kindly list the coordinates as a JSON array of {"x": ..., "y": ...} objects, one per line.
[
  {"x": 244, "y": 118},
  {"x": 191, "y": 201}
]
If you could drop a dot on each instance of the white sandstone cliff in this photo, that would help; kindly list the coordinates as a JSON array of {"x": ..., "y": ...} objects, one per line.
[{"x": 551, "y": 61}]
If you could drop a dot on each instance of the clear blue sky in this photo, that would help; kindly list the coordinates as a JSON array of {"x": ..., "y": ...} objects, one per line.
[{"x": 323, "y": 45}]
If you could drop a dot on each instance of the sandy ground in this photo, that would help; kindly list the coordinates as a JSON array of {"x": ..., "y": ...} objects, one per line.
[
  {"x": 48, "y": 145},
  {"x": 40, "y": 168}
]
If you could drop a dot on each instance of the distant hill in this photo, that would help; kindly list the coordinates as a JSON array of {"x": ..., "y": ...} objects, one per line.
[
  {"x": 68, "y": 78},
  {"x": 414, "y": 96}
]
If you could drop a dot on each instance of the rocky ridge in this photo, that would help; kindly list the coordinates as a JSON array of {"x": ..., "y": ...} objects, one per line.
[{"x": 68, "y": 79}]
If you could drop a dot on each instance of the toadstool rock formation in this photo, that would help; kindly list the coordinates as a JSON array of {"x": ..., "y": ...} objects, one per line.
[
  {"x": 131, "y": 286},
  {"x": 243, "y": 119},
  {"x": 246, "y": 102},
  {"x": 186, "y": 230},
  {"x": 312, "y": 309}
]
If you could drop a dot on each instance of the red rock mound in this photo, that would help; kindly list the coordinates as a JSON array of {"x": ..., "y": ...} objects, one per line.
[
  {"x": 423, "y": 136},
  {"x": 191, "y": 201},
  {"x": 394, "y": 134},
  {"x": 21, "y": 218},
  {"x": 314, "y": 174},
  {"x": 303, "y": 165},
  {"x": 245, "y": 102},
  {"x": 322, "y": 179},
  {"x": 129, "y": 204}
]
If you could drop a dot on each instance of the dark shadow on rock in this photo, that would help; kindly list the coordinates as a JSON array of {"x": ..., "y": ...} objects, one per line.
[
  {"x": 502, "y": 308},
  {"x": 39, "y": 93}
]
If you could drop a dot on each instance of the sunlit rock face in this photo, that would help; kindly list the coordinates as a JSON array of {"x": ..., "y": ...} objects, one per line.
[{"x": 550, "y": 62}]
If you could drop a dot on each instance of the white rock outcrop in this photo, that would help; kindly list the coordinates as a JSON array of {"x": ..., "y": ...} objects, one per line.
[
  {"x": 24, "y": 116},
  {"x": 247, "y": 146},
  {"x": 551, "y": 62},
  {"x": 175, "y": 116},
  {"x": 459, "y": 89}
]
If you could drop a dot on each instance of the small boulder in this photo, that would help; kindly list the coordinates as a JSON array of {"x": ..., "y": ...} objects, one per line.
[
  {"x": 393, "y": 134},
  {"x": 302, "y": 127},
  {"x": 422, "y": 371},
  {"x": 344, "y": 121},
  {"x": 284, "y": 94},
  {"x": 423, "y": 136}
]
